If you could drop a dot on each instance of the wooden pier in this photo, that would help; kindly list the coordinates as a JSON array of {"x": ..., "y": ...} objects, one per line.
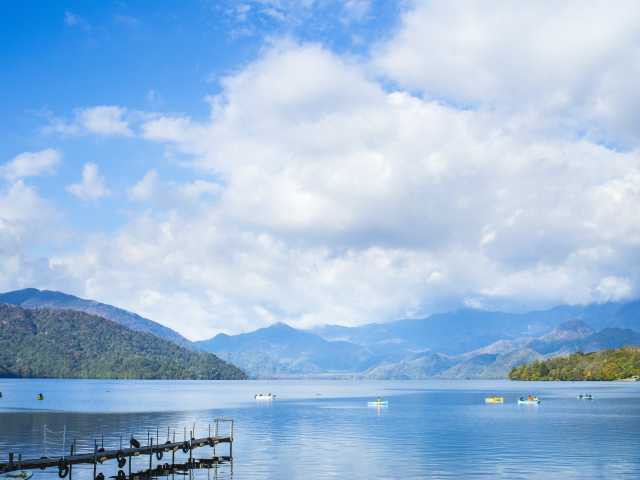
[{"x": 124, "y": 455}]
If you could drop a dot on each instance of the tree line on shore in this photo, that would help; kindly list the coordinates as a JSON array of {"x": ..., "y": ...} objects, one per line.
[{"x": 616, "y": 364}]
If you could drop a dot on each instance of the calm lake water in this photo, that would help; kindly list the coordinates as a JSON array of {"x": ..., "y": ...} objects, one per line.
[{"x": 323, "y": 429}]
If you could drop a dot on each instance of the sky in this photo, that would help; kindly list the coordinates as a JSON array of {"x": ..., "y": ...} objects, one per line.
[{"x": 218, "y": 166}]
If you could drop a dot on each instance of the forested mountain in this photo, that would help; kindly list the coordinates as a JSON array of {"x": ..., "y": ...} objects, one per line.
[
  {"x": 46, "y": 343},
  {"x": 620, "y": 364},
  {"x": 34, "y": 298}
]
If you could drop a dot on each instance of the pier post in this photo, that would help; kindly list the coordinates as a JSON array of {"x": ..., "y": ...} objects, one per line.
[
  {"x": 71, "y": 452},
  {"x": 173, "y": 450},
  {"x": 95, "y": 450},
  {"x": 150, "y": 455}
]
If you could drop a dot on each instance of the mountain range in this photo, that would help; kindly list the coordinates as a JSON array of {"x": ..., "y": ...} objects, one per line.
[
  {"x": 461, "y": 344},
  {"x": 465, "y": 343}
]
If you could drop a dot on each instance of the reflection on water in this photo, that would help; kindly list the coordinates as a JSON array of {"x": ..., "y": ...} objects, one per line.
[
  {"x": 429, "y": 430},
  {"x": 212, "y": 468}
]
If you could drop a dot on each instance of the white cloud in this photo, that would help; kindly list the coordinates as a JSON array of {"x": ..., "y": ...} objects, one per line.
[
  {"x": 172, "y": 194},
  {"x": 576, "y": 61},
  {"x": 73, "y": 20},
  {"x": 92, "y": 186},
  {"x": 26, "y": 221},
  {"x": 106, "y": 120},
  {"x": 145, "y": 188},
  {"x": 340, "y": 202},
  {"x": 31, "y": 164},
  {"x": 199, "y": 188},
  {"x": 614, "y": 288}
]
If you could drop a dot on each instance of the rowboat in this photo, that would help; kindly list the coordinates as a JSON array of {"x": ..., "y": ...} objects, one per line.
[
  {"x": 494, "y": 399},
  {"x": 264, "y": 396},
  {"x": 529, "y": 400}
]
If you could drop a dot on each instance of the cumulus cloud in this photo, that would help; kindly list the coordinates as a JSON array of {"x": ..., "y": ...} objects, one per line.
[
  {"x": 92, "y": 186},
  {"x": 172, "y": 194},
  {"x": 26, "y": 220},
  {"x": 576, "y": 61},
  {"x": 338, "y": 201},
  {"x": 31, "y": 164},
  {"x": 106, "y": 120},
  {"x": 145, "y": 188}
]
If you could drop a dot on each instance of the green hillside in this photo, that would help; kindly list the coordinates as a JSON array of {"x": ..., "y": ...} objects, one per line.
[
  {"x": 46, "y": 343},
  {"x": 615, "y": 364}
]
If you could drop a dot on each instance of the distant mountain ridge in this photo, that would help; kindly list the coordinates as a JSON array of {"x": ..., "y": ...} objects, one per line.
[
  {"x": 281, "y": 349},
  {"x": 34, "y": 298},
  {"x": 461, "y": 344},
  {"x": 54, "y": 343},
  {"x": 464, "y": 330}
]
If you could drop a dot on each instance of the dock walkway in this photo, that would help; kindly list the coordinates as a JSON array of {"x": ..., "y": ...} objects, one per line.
[{"x": 124, "y": 455}]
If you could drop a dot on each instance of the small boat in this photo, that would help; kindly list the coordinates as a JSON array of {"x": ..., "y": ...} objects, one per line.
[
  {"x": 264, "y": 396},
  {"x": 39, "y": 396},
  {"x": 494, "y": 399},
  {"x": 378, "y": 402},
  {"x": 529, "y": 400},
  {"x": 17, "y": 475},
  {"x": 585, "y": 396}
]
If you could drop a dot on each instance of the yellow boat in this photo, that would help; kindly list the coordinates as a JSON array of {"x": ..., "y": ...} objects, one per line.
[{"x": 494, "y": 399}]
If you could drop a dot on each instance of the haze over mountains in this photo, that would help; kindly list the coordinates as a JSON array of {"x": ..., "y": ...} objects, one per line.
[{"x": 461, "y": 344}]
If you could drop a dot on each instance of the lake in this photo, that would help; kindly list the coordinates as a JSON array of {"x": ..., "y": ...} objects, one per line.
[{"x": 323, "y": 429}]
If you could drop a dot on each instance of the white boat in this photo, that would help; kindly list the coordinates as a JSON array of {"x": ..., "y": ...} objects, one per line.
[
  {"x": 378, "y": 403},
  {"x": 17, "y": 475},
  {"x": 264, "y": 396},
  {"x": 529, "y": 400}
]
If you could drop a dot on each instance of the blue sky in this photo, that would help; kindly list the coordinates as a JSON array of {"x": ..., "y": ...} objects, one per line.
[
  {"x": 219, "y": 166},
  {"x": 61, "y": 56}
]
